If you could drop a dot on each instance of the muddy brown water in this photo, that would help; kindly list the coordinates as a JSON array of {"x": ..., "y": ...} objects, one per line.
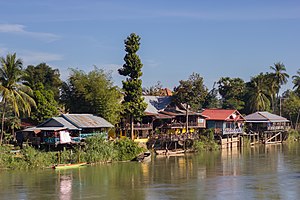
[{"x": 261, "y": 172}]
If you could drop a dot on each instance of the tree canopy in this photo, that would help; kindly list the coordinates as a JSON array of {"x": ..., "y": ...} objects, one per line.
[
  {"x": 191, "y": 92},
  {"x": 93, "y": 93},
  {"x": 44, "y": 74},
  {"x": 232, "y": 91}
]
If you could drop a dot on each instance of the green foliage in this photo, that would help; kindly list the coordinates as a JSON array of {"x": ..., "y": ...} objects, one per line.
[
  {"x": 279, "y": 75},
  {"x": 43, "y": 74},
  {"x": 212, "y": 100},
  {"x": 191, "y": 92},
  {"x": 27, "y": 158},
  {"x": 98, "y": 149},
  {"x": 155, "y": 90},
  {"x": 258, "y": 93},
  {"x": 206, "y": 142},
  {"x": 291, "y": 106},
  {"x": 12, "y": 90},
  {"x": 46, "y": 106},
  {"x": 126, "y": 149},
  {"x": 232, "y": 91},
  {"x": 293, "y": 136},
  {"x": 134, "y": 105},
  {"x": 296, "y": 82},
  {"x": 92, "y": 93}
]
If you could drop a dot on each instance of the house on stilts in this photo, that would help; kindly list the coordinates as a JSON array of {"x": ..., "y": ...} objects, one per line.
[
  {"x": 227, "y": 125},
  {"x": 266, "y": 127},
  {"x": 66, "y": 129}
]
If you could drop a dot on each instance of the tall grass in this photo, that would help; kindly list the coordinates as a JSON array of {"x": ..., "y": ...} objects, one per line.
[
  {"x": 293, "y": 135},
  {"x": 96, "y": 149}
]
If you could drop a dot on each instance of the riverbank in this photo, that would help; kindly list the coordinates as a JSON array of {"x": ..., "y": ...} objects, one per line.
[{"x": 95, "y": 150}]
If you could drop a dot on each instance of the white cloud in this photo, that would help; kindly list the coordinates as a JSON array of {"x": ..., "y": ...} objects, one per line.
[
  {"x": 32, "y": 58},
  {"x": 20, "y": 29}
]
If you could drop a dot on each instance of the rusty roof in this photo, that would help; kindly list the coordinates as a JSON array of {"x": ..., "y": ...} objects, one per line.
[{"x": 87, "y": 121}]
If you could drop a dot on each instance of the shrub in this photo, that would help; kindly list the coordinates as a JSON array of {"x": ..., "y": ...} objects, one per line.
[{"x": 126, "y": 149}]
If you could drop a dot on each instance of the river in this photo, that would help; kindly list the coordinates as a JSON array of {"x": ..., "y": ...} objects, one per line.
[{"x": 260, "y": 172}]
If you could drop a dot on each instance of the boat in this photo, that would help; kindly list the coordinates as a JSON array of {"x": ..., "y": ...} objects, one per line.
[
  {"x": 69, "y": 166},
  {"x": 143, "y": 157},
  {"x": 167, "y": 152}
]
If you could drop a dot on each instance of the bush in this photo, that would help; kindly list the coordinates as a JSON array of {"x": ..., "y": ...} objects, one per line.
[
  {"x": 293, "y": 136},
  {"x": 206, "y": 142},
  {"x": 98, "y": 149},
  {"x": 126, "y": 149}
]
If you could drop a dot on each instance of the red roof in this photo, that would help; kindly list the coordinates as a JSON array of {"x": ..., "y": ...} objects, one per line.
[{"x": 222, "y": 114}]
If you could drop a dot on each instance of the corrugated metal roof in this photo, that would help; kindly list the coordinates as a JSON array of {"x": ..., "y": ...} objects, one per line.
[
  {"x": 65, "y": 123},
  {"x": 38, "y": 129},
  {"x": 265, "y": 117},
  {"x": 157, "y": 103},
  {"x": 57, "y": 122},
  {"x": 87, "y": 121}
]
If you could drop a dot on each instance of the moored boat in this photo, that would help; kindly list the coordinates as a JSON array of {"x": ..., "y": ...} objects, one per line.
[
  {"x": 169, "y": 152},
  {"x": 143, "y": 157},
  {"x": 68, "y": 166}
]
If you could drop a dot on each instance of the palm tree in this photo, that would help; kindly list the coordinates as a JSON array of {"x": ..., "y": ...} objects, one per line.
[
  {"x": 271, "y": 85},
  {"x": 296, "y": 81},
  {"x": 258, "y": 94},
  {"x": 13, "y": 92},
  {"x": 280, "y": 75}
]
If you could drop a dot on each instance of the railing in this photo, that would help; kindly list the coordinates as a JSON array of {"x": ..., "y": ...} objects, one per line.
[
  {"x": 273, "y": 128},
  {"x": 141, "y": 126},
  {"x": 232, "y": 131},
  {"x": 182, "y": 125}
]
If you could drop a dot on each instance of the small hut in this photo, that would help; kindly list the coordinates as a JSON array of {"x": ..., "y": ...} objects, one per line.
[{"x": 267, "y": 127}]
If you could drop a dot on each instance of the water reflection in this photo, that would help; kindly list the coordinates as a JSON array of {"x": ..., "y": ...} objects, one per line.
[
  {"x": 260, "y": 172},
  {"x": 65, "y": 186}
]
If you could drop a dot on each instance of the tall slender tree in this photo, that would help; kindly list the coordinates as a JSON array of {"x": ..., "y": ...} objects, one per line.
[
  {"x": 280, "y": 77},
  {"x": 12, "y": 90},
  {"x": 134, "y": 106}
]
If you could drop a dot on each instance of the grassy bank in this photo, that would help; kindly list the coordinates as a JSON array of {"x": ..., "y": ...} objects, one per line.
[{"x": 96, "y": 150}]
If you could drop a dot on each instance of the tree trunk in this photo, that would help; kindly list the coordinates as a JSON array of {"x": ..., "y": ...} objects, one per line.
[
  {"x": 296, "y": 124},
  {"x": 187, "y": 119},
  {"x": 2, "y": 122},
  {"x": 131, "y": 128}
]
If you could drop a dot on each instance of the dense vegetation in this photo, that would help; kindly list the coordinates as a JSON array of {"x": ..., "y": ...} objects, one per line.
[{"x": 96, "y": 150}]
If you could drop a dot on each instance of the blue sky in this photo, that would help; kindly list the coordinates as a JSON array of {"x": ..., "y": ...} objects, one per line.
[{"x": 213, "y": 38}]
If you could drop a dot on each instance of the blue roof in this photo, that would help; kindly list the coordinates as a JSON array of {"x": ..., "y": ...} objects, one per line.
[{"x": 157, "y": 103}]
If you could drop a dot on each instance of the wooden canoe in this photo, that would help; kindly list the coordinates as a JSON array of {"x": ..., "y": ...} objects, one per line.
[
  {"x": 68, "y": 166},
  {"x": 169, "y": 152},
  {"x": 143, "y": 157}
]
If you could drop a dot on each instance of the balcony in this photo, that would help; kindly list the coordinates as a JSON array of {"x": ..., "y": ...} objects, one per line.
[
  {"x": 232, "y": 131},
  {"x": 141, "y": 126},
  {"x": 183, "y": 125},
  {"x": 278, "y": 128}
]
